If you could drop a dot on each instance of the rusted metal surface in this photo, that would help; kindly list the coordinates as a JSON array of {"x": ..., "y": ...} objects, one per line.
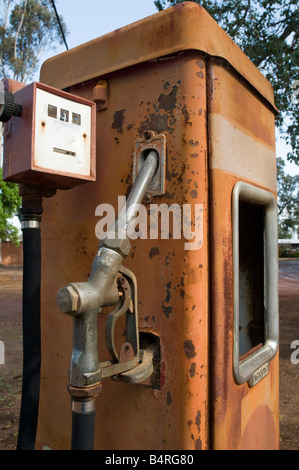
[
  {"x": 167, "y": 97},
  {"x": 181, "y": 293},
  {"x": 242, "y": 417}
]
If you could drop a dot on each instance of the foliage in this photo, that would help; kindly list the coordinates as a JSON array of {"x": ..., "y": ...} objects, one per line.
[
  {"x": 288, "y": 203},
  {"x": 10, "y": 203},
  {"x": 287, "y": 252},
  {"x": 268, "y": 33},
  {"x": 27, "y": 29}
]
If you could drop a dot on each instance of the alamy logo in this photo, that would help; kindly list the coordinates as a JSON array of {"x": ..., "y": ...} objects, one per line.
[
  {"x": 295, "y": 354},
  {"x": 2, "y": 353},
  {"x": 187, "y": 222}
]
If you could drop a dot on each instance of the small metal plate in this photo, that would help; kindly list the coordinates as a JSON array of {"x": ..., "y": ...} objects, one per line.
[
  {"x": 151, "y": 141},
  {"x": 259, "y": 374}
]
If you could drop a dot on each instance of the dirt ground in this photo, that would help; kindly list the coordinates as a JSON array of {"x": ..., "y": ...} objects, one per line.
[
  {"x": 289, "y": 370},
  {"x": 11, "y": 371}
]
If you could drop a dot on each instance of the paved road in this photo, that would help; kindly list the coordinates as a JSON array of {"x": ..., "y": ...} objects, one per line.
[{"x": 289, "y": 274}]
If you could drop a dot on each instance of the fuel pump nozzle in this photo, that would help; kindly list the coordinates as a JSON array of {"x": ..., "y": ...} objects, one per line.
[{"x": 109, "y": 284}]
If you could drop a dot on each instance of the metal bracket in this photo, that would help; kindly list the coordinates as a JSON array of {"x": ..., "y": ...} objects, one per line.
[
  {"x": 131, "y": 364},
  {"x": 143, "y": 370},
  {"x": 127, "y": 287},
  {"x": 151, "y": 141},
  {"x": 255, "y": 366}
]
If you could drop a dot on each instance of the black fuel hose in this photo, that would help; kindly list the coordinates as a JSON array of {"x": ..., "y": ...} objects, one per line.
[
  {"x": 31, "y": 338},
  {"x": 83, "y": 425}
]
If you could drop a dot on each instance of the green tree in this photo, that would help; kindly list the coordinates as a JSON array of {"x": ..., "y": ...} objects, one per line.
[
  {"x": 27, "y": 29},
  {"x": 268, "y": 33},
  {"x": 10, "y": 202},
  {"x": 288, "y": 202}
]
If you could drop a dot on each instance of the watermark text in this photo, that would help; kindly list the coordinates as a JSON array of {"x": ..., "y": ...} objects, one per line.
[
  {"x": 158, "y": 221},
  {"x": 295, "y": 354},
  {"x": 2, "y": 353}
]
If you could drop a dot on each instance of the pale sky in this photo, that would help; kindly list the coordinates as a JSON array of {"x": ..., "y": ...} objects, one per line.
[{"x": 89, "y": 19}]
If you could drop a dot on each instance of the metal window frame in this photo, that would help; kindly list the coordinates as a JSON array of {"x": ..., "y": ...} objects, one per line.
[{"x": 255, "y": 365}]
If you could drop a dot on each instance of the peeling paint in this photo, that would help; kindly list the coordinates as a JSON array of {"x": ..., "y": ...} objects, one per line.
[
  {"x": 193, "y": 143},
  {"x": 168, "y": 292},
  {"x": 186, "y": 114},
  {"x": 189, "y": 349},
  {"x": 169, "y": 398},
  {"x": 192, "y": 370},
  {"x": 166, "y": 310},
  {"x": 118, "y": 120},
  {"x": 200, "y": 74},
  {"x": 156, "y": 122},
  {"x": 198, "y": 444},
  {"x": 200, "y": 64},
  {"x": 154, "y": 252},
  {"x": 168, "y": 102},
  {"x": 198, "y": 420}
]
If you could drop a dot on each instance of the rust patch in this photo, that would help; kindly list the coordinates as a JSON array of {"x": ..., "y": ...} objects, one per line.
[
  {"x": 200, "y": 74},
  {"x": 185, "y": 114},
  {"x": 168, "y": 102},
  {"x": 118, "y": 120},
  {"x": 166, "y": 310},
  {"x": 169, "y": 398},
  {"x": 168, "y": 293},
  {"x": 193, "y": 193},
  {"x": 198, "y": 420},
  {"x": 200, "y": 64},
  {"x": 157, "y": 123},
  {"x": 189, "y": 349},
  {"x": 154, "y": 252},
  {"x": 198, "y": 444},
  {"x": 168, "y": 258},
  {"x": 192, "y": 370},
  {"x": 163, "y": 119}
]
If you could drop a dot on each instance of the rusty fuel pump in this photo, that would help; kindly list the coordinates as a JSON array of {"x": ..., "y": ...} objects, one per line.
[
  {"x": 44, "y": 130},
  {"x": 202, "y": 344},
  {"x": 109, "y": 284}
]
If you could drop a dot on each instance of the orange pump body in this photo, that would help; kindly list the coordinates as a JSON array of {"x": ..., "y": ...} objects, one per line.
[{"x": 177, "y": 74}]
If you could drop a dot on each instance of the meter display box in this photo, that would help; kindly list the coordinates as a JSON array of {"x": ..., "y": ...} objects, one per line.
[
  {"x": 52, "y": 143},
  {"x": 218, "y": 368}
]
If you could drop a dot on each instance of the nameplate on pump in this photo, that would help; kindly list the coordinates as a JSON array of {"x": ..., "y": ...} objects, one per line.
[{"x": 259, "y": 374}]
